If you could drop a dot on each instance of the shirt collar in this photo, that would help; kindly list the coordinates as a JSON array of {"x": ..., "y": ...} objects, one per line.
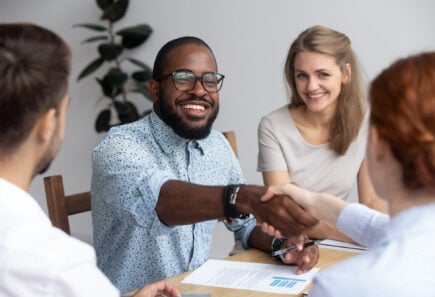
[{"x": 170, "y": 141}]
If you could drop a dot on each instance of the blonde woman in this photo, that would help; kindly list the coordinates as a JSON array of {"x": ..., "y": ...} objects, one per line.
[{"x": 318, "y": 141}]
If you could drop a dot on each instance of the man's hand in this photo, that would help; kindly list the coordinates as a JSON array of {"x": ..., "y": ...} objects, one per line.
[
  {"x": 281, "y": 212},
  {"x": 160, "y": 288},
  {"x": 305, "y": 259}
]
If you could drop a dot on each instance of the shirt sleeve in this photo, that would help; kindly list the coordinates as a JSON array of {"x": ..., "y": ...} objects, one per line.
[
  {"x": 242, "y": 229},
  {"x": 362, "y": 224},
  {"x": 127, "y": 178},
  {"x": 270, "y": 156}
]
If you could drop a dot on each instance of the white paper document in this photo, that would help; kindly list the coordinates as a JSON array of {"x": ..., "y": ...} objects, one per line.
[
  {"x": 270, "y": 278},
  {"x": 340, "y": 245}
]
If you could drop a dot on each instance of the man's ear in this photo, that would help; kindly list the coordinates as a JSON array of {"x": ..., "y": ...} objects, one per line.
[
  {"x": 154, "y": 89},
  {"x": 47, "y": 125}
]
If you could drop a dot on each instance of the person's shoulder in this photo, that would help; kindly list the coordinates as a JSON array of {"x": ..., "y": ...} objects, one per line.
[
  {"x": 47, "y": 246},
  {"x": 131, "y": 129},
  {"x": 276, "y": 119},
  {"x": 278, "y": 113},
  {"x": 215, "y": 138},
  {"x": 126, "y": 134}
]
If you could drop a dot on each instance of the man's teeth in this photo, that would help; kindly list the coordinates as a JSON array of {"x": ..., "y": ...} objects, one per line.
[{"x": 192, "y": 106}]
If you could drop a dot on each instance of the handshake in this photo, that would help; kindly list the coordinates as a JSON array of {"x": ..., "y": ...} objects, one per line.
[
  {"x": 285, "y": 210},
  {"x": 291, "y": 212}
]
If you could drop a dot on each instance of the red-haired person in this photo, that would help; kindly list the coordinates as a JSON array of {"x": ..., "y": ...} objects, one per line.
[{"x": 401, "y": 161}]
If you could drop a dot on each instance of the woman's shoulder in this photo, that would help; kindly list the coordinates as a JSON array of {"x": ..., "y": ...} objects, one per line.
[
  {"x": 279, "y": 112},
  {"x": 280, "y": 116}
]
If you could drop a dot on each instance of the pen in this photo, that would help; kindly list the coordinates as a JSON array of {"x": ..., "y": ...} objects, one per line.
[{"x": 292, "y": 248}]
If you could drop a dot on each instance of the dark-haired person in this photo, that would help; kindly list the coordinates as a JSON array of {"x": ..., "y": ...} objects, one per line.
[
  {"x": 37, "y": 259},
  {"x": 401, "y": 161},
  {"x": 318, "y": 141},
  {"x": 159, "y": 185}
]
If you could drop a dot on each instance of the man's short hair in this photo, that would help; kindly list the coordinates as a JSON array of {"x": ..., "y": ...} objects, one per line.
[
  {"x": 34, "y": 71},
  {"x": 160, "y": 62}
]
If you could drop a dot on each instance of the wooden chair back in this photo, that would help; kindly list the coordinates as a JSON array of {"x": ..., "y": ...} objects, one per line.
[
  {"x": 60, "y": 206},
  {"x": 231, "y": 137}
]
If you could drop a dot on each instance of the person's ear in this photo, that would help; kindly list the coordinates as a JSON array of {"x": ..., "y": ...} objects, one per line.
[
  {"x": 47, "y": 125},
  {"x": 154, "y": 89},
  {"x": 378, "y": 146},
  {"x": 347, "y": 73}
]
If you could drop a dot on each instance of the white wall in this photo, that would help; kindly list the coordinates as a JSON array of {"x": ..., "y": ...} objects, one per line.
[{"x": 250, "y": 39}]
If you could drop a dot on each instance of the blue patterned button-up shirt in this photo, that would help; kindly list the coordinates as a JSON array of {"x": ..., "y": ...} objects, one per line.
[{"x": 130, "y": 165}]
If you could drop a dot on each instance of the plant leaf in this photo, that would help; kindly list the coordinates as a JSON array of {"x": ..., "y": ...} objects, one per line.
[
  {"x": 103, "y": 4},
  {"x": 115, "y": 11},
  {"x": 134, "y": 36},
  {"x": 113, "y": 82},
  {"x": 142, "y": 76},
  {"x": 140, "y": 64},
  {"x": 115, "y": 77},
  {"x": 106, "y": 88},
  {"x": 103, "y": 120},
  {"x": 110, "y": 51},
  {"x": 127, "y": 112},
  {"x": 94, "y": 65},
  {"x": 94, "y": 27},
  {"x": 95, "y": 38},
  {"x": 142, "y": 87}
]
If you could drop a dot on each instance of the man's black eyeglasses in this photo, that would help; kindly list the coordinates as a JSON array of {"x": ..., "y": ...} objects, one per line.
[{"x": 185, "y": 80}]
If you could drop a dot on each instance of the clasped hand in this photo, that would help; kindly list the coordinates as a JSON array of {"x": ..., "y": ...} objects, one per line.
[{"x": 282, "y": 214}]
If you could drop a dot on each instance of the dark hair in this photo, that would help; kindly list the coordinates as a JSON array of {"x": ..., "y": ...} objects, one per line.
[
  {"x": 351, "y": 105},
  {"x": 403, "y": 111},
  {"x": 160, "y": 62},
  {"x": 34, "y": 71}
]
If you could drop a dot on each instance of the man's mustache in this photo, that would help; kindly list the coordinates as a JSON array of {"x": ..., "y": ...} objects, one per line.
[{"x": 195, "y": 98}]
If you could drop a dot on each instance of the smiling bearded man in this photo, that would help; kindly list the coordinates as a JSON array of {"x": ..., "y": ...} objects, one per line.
[{"x": 160, "y": 184}]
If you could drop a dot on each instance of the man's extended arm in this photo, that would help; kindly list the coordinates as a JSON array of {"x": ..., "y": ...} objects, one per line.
[{"x": 183, "y": 203}]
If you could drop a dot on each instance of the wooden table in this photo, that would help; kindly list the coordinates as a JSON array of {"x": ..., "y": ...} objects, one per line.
[{"x": 327, "y": 258}]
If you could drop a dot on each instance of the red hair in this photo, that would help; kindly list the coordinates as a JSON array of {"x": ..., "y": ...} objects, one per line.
[{"x": 403, "y": 111}]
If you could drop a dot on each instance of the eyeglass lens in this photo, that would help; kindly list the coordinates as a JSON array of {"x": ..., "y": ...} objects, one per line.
[{"x": 186, "y": 80}]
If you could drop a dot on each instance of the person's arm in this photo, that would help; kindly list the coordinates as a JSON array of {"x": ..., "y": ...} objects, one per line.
[
  {"x": 275, "y": 178},
  {"x": 182, "y": 203},
  {"x": 362, "y": 224},
  {"x": 327, "y": 230},
  {"x": 324, "y": 206},
  {"x": 366, "y": 191},
  {"x": 321, "y": 230}
]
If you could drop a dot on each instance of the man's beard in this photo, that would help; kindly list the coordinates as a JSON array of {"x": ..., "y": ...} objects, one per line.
[
  {"x": 44, "y": 164},
  {"x": 44, "y": 169},
  {"x": 180, "y": 128}
]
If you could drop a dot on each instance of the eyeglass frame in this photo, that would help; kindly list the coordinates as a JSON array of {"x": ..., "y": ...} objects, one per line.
[{"x": 200, "y": 78}]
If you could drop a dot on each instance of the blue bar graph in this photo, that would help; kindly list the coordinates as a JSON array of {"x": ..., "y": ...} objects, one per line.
[{"x": 286, "y": 282}]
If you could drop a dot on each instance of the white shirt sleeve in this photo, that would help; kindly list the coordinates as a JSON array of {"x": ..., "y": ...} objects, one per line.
[{"x": 362, "y": 224}]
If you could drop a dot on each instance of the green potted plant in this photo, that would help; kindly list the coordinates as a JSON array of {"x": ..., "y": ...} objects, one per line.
[{"x": 113, "y": 45}]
